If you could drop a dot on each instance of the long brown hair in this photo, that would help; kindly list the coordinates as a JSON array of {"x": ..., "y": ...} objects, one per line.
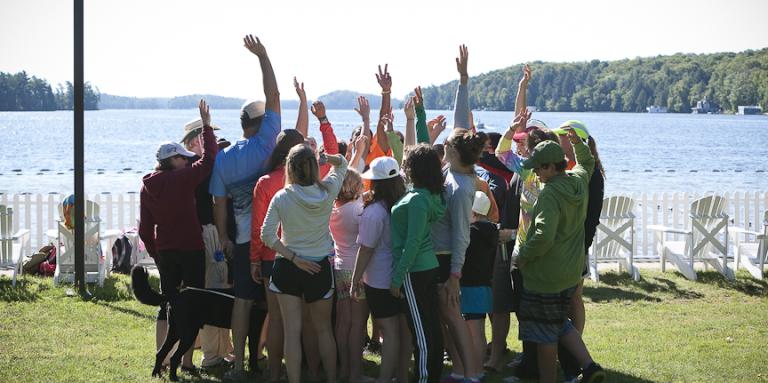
[
  {"x": 468, "y": 145},
  {"x": 351, "y": 188},
  {"x": 389, "y": 190},
  {"x": 301, "y": 167},
  {"x": 593, "y": 148}
]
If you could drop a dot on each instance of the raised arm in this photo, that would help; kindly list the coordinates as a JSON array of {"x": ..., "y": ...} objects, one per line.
[
  {"x": 302, "y": 121},
  {"x": 385, "y": 81},
  {"x": 461, "y": 107},
  {"x": 364, "y": 110},
  {"x": 422, "y": 132},
  {"x": 435, "y": 126},
  {"x": 270, "y": 83},
  {"x": 360, "y": 144},
  {"x": 410, "y": 122},
  {"x": 201, "y": 169},
  {"x": 522, "y": 89},
  {"x": 330, "y": 143}
]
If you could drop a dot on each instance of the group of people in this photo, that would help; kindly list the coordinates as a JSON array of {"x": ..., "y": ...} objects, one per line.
[{"x": 426, "y": 238}]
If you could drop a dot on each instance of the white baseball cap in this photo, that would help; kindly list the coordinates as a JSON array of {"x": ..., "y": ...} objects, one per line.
[
  {"x": 254, "y": 109},
  {"x": 481, "y": 204},
  {"x": 382, "y": 168},
  {"x": 170, "y": 149}
]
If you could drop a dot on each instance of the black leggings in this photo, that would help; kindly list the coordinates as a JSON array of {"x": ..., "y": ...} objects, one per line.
[
  {"x": 176, "y": 267},
  {"x": 420, "y": 290}
]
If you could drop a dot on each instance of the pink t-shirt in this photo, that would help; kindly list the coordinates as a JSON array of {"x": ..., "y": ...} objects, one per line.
[
  {"x": 344, "y": 223},
  {"x": 375, "y": 234}
]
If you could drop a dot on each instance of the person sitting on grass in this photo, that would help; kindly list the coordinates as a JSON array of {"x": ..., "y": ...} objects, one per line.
[{"x": 552, "y": 257}]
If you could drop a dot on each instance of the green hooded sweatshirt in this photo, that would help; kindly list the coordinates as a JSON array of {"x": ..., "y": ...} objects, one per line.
[
  {"x": 552, "y": 257},
  {"x": 412, "y": 218}
]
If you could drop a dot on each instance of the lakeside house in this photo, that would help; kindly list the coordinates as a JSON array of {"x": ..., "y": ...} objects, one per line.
[
  {"x": 750, "y": 109},
  {"x": 656, "y": 109}
]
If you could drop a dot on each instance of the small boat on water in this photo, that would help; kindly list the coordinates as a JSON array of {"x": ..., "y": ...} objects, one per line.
[{"x": 656, "y": 109}]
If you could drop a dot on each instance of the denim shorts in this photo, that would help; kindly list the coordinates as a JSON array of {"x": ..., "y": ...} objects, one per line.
[{"x": 543, "y": 317}]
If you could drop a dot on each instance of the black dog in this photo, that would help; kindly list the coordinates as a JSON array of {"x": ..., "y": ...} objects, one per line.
[{"x": 188, "y": 311}]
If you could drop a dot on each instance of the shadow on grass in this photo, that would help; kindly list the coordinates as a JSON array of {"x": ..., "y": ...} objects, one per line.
[
  {"x": 743, "y": 284},
  {"x": 623, "y": 287},
  {"x": 620, "y": 377},
  {"x": 126, "y": 310},
  {"x": 22, "y": 292}
]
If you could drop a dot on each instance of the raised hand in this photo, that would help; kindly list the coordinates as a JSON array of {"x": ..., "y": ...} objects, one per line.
[
  {"x": 334, "y": 159},
  {"x": 384, "y": 79},
  {"x": 299, "y": 89},
  {"x": 436, "y": 126},
  {"x": 461, "y": 61},
  {"x": 409, "y": 108},
  {"x": 521, "y": 121},
  {"x": 386, "y": 122},
  {"x": 318, "y": 109},
  {"x": 526, "y": 75},
  {"x": 363, "y": 108},
  {"x": 254, "y": 45},
  {"x": 205, "y": 113},
  {"x": 361, "y": 142},
  {"x": 419, "y": 98},
  {"x": 573, "y": 137}
]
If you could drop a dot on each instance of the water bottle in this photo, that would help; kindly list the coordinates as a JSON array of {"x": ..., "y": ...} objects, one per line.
[{"x": 218, "y": 256}]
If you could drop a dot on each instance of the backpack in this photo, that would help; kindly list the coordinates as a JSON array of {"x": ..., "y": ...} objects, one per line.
[
  {"x": 43, "y": 262},
  {"x": 121, "y": 255}
]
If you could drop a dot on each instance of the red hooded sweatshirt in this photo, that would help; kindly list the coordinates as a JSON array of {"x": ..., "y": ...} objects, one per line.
[{"x": 168, "y": 213}]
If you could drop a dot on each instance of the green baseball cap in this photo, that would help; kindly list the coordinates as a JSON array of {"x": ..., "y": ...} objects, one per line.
[
  {"x": 578, "y": 126},
  {"x": 546, "y": 152}
]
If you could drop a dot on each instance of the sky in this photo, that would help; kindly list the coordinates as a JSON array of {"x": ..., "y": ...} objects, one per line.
[{"x": 163, "y": 48}]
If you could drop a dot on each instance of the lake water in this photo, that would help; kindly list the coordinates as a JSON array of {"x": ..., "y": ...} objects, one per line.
[{"x": 640, "y": 152}]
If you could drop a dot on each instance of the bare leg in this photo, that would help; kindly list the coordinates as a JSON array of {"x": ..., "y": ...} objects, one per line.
[
  {"x": 499, "y": 333},
  {"x": 263, "y": 335},
  {"x": 477, "y": 333},
  {"x": 357, "y": 339},
  {"x": 291, "y": 307},
  {"x": 451, "y": 316},
  {"x": 274, "y": 336},
  {"x": 321, "y": 319},
  {"x": 310, "y": 342},
  {"x": 576, "y": 312},
  {"x": 406, "y": 349},
  {"x": 575, "y": 345},
  {"x": 343, "y": 332},
  {"x": 547, "y": 354},
  {"x": 390, "y": 329},
  {"x": 241, "y": 314}
]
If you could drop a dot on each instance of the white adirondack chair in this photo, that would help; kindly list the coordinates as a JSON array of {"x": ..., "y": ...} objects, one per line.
[
  {"x": 97, "y": 266},
  {"x": 752, "y": 255},
  {"x": 12, "y": 245},
  {"x": 615, "y": 237},
  {"x": 708, "y": 220}
]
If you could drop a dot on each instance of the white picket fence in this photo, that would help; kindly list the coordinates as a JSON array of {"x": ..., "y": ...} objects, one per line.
[{"x": 39, "y": 212}]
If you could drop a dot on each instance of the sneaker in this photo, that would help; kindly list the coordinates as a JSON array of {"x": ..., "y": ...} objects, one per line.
[
  {"x": 516, "y": 360},
  {"x": 593, "y": 374}
]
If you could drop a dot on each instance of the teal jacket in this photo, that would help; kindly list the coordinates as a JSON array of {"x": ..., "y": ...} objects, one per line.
[
  {"x": 412, "y": 218},
  {"x": 552, "y": 257}
]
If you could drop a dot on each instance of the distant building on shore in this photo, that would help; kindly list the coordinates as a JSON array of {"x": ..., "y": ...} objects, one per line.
[
  {"x": 705, "y": 107},
  {"x": 750, "y": 109},
  {"x": 656, "y": 109}
]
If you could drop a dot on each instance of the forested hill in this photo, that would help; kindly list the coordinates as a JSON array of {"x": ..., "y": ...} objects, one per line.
[{"x": 676, "y": 82}]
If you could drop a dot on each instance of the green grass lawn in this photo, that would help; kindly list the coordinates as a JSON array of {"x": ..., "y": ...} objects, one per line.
[{"x": 661, "y": 329}]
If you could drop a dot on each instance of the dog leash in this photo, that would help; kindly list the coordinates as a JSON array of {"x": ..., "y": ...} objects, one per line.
[{"x": 209, "y": 291}]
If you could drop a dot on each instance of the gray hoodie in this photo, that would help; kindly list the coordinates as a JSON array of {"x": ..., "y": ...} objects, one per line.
[{"x": 302, "y": 213}]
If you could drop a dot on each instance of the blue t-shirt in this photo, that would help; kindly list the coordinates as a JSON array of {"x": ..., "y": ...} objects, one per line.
[{"x": 239, "y": 166}]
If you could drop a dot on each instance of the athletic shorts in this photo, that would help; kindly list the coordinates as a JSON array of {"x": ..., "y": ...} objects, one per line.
[
  {"x": 543, "y": 317},
  {"x": 443, "y": 268},
  {"x": 382, "y": 303},
  {"x": 287, "y": 278},
  {"x": 476, "y": 300},
  {"x": 344, "y": 284},
  {"x": 266, "y": 269},
  {"x": 245, "y": 286},
  {"x": 501, "y": 284}
]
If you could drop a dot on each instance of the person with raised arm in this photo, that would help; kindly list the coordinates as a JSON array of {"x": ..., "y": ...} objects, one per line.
[
  {"x": 364, "y": 130},
  {"x": 379, "y": 143},
  {"x": 302, "y": 271},
  {"x": 552, "y": 258},
  {"x": 451, "y": 233},
  {"x": 262, "y": 258},
  {"x": 234, "y": 176},
  {"x": 169, "y": 226}
]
